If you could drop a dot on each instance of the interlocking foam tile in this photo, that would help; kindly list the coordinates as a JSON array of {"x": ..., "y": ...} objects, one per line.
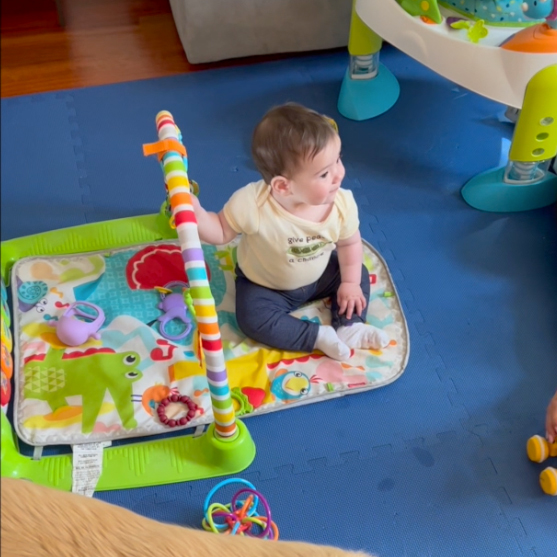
[
  {"x": 440, "y": 499},
  {"x": 435, "y": 463},
  {"x": 44, "y": 178},
  {"x": 214, "y": 113}
]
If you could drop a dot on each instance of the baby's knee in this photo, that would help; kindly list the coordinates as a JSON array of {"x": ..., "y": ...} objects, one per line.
[{"x": 253, "y": 322}]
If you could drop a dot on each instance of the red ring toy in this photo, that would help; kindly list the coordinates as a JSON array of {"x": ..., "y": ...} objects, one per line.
[{"x": 185, "y": 400}]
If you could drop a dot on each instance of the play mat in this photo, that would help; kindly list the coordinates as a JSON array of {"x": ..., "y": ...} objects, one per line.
[{"x": 109, "y": 387}]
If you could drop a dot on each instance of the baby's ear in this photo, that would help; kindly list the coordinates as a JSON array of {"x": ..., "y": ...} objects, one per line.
[{"x": 280, "y": 185}]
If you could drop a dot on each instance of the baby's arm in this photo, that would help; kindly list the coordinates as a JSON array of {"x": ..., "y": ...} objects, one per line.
[
  {"x": 213, "y": 228},
  {"x": 551, "y": 420},
  {"x": 350, "y": 258}
]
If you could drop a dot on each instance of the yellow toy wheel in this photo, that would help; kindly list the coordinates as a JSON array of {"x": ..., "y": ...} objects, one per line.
[
  {"x": 548, "y": 481},
  {"x": 537, "y": 448}
]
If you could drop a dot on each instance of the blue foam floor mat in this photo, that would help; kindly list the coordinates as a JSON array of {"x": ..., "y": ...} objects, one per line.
[{"x": 433, "y": 464}]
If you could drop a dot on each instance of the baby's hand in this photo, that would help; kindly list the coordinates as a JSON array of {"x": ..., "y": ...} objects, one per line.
[
  {"x": 350, "y": 297},
  {"x": 551, "y": 420},
  {"x": 195, "y": 203}
]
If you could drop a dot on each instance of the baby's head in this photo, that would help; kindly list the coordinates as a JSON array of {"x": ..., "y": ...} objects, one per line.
[{"x": 297, "y": 152}]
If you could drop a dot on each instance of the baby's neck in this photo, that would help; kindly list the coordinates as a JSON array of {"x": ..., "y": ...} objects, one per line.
[{"x": 312, "y": 213}]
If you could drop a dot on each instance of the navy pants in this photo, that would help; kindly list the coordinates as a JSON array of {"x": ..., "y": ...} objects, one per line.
[{"x": 264, "y": 314}]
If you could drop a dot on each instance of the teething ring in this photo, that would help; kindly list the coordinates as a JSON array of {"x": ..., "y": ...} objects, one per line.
[
  {"x": 173, "y": 312},
  {"x": 244, "y": 405},
  {"x": 266, "y": 519},
  {"x": 223, "y": 484},
  {"x": 240, "y": 515},
  {"x": 186, "y": 401},
  {"x": 168, "y": 336}
]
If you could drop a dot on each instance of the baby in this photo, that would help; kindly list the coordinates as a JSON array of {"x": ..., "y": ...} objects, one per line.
[
  {"x": 300, "y": 240},
  {"x": 551, "y": 420}
]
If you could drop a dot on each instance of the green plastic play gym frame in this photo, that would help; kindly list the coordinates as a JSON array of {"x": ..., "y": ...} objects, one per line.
[{"x": 147, "y": 463}]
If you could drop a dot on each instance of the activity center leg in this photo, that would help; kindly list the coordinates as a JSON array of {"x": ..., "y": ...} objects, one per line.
[
  {"x": 369, "y": 88},
  {"x": 525, "y": 183}
]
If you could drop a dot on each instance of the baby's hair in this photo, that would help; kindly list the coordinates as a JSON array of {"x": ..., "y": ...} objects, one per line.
[{"x": 288, "y": 135}]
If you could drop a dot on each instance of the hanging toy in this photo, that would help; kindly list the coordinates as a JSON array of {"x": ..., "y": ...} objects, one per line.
[
  {"x": 175, "y": 307},
  {"x": 76, "y": 327}
]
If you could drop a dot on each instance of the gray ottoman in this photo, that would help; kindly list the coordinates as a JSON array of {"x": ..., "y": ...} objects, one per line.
[{"x": 212, "y": 30}]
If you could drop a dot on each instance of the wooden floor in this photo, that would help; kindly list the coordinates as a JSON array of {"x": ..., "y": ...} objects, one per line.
[{"x": 102, "y": 42}]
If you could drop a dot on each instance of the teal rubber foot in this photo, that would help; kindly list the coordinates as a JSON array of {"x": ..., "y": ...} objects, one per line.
[
  {"x": 361, "y": 99},
  {"x": 488, "y": 192}
]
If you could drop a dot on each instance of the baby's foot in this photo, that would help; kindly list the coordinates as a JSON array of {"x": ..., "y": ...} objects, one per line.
[
  {"x": 329, "y": 343},
  {"x": 360, "y": 335}
]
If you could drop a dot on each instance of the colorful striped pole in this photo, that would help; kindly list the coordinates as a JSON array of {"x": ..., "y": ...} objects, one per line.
[{"x": 173, "y": 157}]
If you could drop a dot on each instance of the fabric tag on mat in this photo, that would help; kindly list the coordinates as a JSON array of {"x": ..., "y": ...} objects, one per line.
[{"x": 87, "y": 467}]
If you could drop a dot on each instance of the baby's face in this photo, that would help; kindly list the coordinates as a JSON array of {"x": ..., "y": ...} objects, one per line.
[{"x": 317, "y": 181}]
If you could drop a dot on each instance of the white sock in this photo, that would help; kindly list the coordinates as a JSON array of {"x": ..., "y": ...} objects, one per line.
[
  {"x": 329, "y": 343},
  {"x": 361, "y": 335}
]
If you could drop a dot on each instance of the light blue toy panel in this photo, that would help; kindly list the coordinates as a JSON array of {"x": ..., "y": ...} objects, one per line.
[
  {"x": 109, "y": 388},
  {"x": 493, "y": 12}
]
